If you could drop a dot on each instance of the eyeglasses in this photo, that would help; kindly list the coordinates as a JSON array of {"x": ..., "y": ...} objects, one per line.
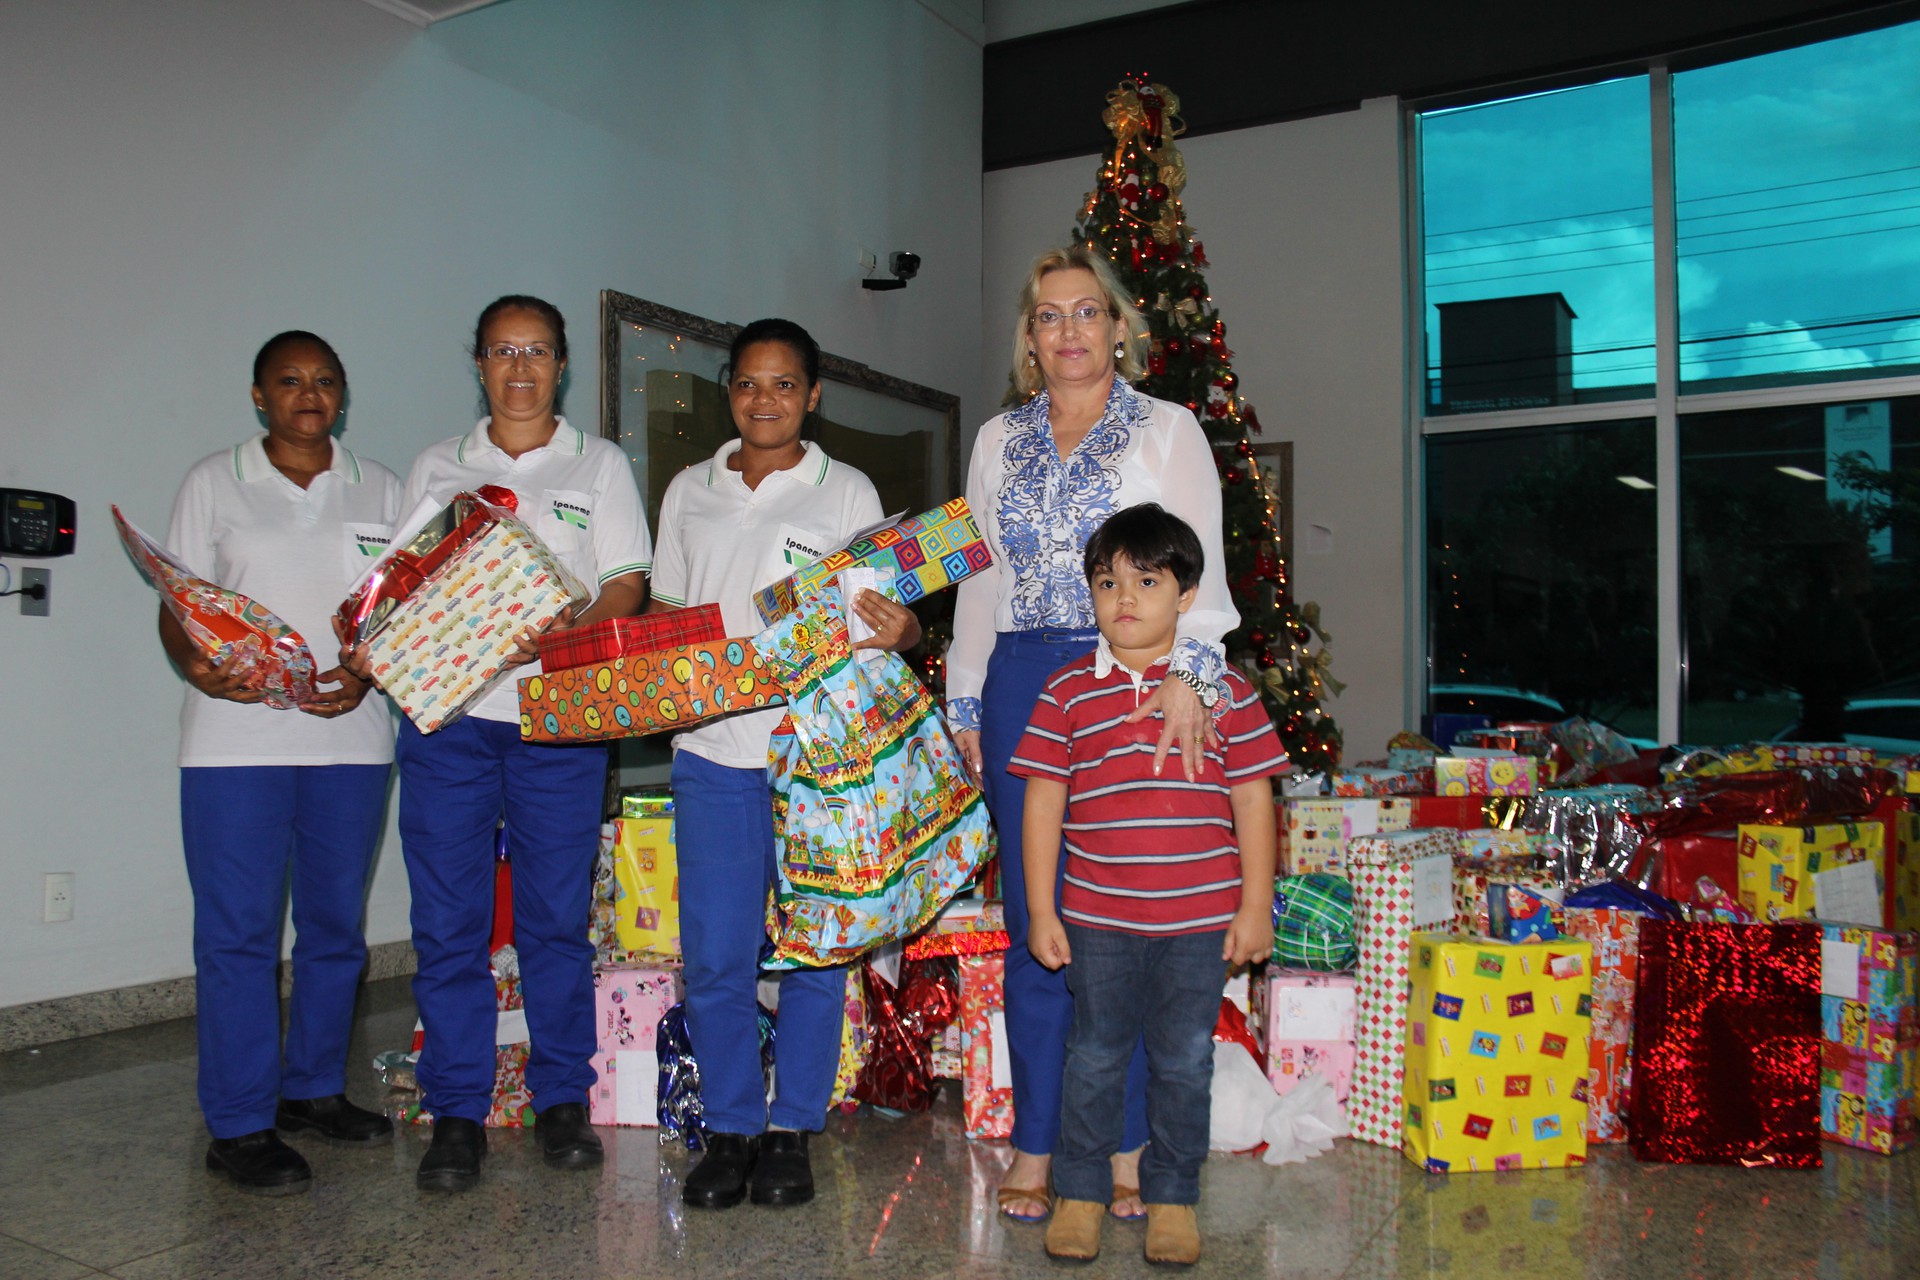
[
  {"x": 1054, "y": 319},
  {"x": 538, "y": 353}
]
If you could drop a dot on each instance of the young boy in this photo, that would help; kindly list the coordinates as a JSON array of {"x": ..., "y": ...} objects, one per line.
[{"x": 1167, "y": 883}]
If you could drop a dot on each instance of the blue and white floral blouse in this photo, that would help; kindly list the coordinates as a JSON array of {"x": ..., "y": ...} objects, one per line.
[{"x": 1038, "y": 509}]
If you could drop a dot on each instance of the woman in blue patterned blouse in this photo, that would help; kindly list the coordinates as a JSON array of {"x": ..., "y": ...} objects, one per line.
[{"x": 1042, "y": 478}]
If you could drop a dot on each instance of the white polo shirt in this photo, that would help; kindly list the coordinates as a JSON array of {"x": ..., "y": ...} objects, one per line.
[
  {"x": 241, "y": 524},
  {"x": 576, "y": 492},
  {"x": 720, "y": 542}
]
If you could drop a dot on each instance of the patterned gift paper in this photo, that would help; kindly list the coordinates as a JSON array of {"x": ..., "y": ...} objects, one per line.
[
  {"x": 927, "y": 552},
  {"x": 511, "y": 1105},
  {"x": 628, "y": 1003},
  {"x": 1317, "y": 831},
  {"x": 1906, "y": 870},
  {"x": 1402, "y": 881},
  {"x": 987, "y": 1097},
  {"x": 1499, "y": 842},
  {"x": 646, "y": 872},
  {"x": 1303, "y": 1022},
  {"x": 1871, "y": 1052},
  {"x": 1615, "y": 936},
  {"x": 1372, "y": 780},
  {"x": 1497, "y": 1054},
  {"x": 1486, "y": 775},
  {"x": 1472, "y": 880},
  {"x": 855, "y": 1037},
  {"x": 1777, "y": 864},
  {"x": 646, "y": 693},
  {"x": 449, "y": 641},
  {"x": 1762, "y": 757},
  {"x": 612, "y": 638}
]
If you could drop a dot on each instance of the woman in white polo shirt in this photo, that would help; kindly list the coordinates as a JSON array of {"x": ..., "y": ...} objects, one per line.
[
  {"x": 766, "y": 503},
  {"x": 457, "y": 784},
  {"x": 290, "y": 518}
]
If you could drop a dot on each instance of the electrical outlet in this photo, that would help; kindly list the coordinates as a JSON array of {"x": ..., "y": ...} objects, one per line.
[
  {"x": 29, "y": 579},
  {"x": 869, "y": 262},
  {"x": 58, "y": 905}
]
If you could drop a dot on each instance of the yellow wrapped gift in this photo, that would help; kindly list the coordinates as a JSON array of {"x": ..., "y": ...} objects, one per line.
[
  {"x": 1778, "y": 864},
  {"x": 1906, "y": 870},
  {"x": 646, "y": 874},
  {"x": 1497, "y": 1044}
]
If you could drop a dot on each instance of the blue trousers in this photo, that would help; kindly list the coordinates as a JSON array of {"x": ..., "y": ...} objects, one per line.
[
  {"x": 1129, "y": 986},
  {"x": 242, "y": 829},
  {"x": 1039, "y": 1005},
  {"x": 723, "y": 829},
  {"x": 456, "y": 785}
]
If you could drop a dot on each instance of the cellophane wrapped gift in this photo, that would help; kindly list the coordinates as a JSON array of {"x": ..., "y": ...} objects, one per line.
[
  {"x": 1614, "y": 934},
  {"x": 1303, "y": 1024},
  {"x": 1727, "y": 1045},
  {"x": 1497, "y": 1054},
  {"x": 1593, "y": 747},
  {"x": 658, "y": 691},
  {"x": 229, "y": 629},
  {"x": 1313, "y": 922},
  {"x": 1402, "y": 882},
  {"x": 646, "y": 870},
  {"x": 1905, "y": 869},
  {"x": 876, "y": 820},
  {"x": 1486, "y": 775},
  {"x": 437, "y": 640},
  {"x": 512, "y": 1102},
  {"x": 923, "y": 554},
  {"x": 628, "y": 1002},
  {"x": 987, "y": 1085},
  {"x": 682, "y": 1114},
  {"x": 1316, "y": 832},
  {"x": 1588, "y": 837},
  {"x": 1870, "y": 980},
  {"x": 1778, "y": 864},
  {"x": 1472, "y": 881},
  {"x": 611, "y": 638}
]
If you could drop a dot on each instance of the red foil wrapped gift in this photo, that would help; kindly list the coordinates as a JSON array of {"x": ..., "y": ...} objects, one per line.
[
  {"x": 899, "y": 1069},
  {"x": 1727, "y": 1045}
]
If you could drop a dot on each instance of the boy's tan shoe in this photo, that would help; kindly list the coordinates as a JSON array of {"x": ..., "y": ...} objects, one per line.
[
  {"x": 1173, "y": 1234},
  {"x": 1074, "y": 1232}
]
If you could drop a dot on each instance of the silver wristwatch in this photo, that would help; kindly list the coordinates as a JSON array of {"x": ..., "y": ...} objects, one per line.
[{"x": 1205, "y": 690}]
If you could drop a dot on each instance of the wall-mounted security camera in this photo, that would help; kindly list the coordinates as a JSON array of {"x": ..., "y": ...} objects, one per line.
[{"x": 904, "y": 266}]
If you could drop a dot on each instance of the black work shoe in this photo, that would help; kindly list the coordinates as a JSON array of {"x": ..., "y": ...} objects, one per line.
[
  {"x": 260, "y": 1164},
  {"x": 452, "y": 1163},
  {"x": 719, "y": 1181},
  {"x": 567, "y": 1139},
  {"x": 783, "y": 1174},
  {"x": 335, "y": 1120}
]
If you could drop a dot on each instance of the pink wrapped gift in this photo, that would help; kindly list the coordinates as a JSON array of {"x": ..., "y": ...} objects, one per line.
[
  {"x": 987, "y": 1097},
  {"x": 1316, "y": 831},
  {"x": 628, "y": 1003},
  {"x": 1486, "y": 775},
  {"x": 1303, "y": 1022}
]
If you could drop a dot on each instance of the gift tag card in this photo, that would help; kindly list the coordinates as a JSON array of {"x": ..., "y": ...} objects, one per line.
[
  {"x": 1432, "y": 891},
  {"x": 1839, "y": 969},
  {"x": 1002, "y": 1065},
  {"x": 1849, "y": 892},
  {"x": 511, "y": 1027},
  {"x": 636, "y": 1086},
  {"x": 1314, "y": 1013}
]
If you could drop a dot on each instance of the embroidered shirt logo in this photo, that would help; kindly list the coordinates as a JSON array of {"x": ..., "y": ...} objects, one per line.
[
  {"x": 369, "y": 544},
  {"x": 570, "y": 513}
]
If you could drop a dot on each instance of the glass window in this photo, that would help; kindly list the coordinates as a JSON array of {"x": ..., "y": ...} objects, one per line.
[
  {"x": 1797, "y": 207},
  {"x": 1800, "y": 527},
  {"x": 1540, "y": 570},
  {"x": 1537, "y": 217}
]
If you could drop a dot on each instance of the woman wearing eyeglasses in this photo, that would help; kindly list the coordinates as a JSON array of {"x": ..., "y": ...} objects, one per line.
[
  {"x": 1042, "y": 478},
  {"x": 577, "y": 493}
]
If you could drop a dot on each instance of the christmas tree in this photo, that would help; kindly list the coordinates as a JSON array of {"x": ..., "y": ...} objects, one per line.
[{"x": 1134, "y": 215}]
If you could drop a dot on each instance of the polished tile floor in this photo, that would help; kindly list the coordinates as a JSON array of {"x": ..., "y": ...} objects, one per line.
[{"x": 100, "y": 1174}]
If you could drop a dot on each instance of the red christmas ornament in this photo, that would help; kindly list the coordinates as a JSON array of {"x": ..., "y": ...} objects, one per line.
[
  {"x": 1291, "y": 726},
  {"x": 1174, "y": 346},
  {"x": 1244, "y": 449},
  {"x": 1200, "y": 255},
  {"x": 1300, "y": 633},
  {"x": 1170, "y": 252},
  {"x": 1229, "y": 379},
  {"x": 1267, "y": 663},
  {"x": 1193, "y": 406},
  {"x": 1156, "y": 191},
  {"x": 1139, "y": 256},
  {"x": 1219, "y": 328},
  {"x": 1157, "y": 363},
  {"x": 1235, "y": 475},
  {"x": 1197, "y": 292}
]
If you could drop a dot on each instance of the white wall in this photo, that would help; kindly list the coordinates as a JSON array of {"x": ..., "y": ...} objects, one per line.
[
  {"x": 1302, "y": 222},
  {"x": 182, "y": 180}
]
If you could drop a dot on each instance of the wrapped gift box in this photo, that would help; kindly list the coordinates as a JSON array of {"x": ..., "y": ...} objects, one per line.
[
  {"x": 1486, "y": 775},
  {"x": 987, "y": 1080},
  {"x": 1679, "y": 862},
  {"x": 449, "y": 640},
  {"x": 1402, "y": 881},
  {"x": 1764, "y": 757},
  {"x": 628, "y": 1002},
  {"x": 1496, "y": 1064},
  {"x": 1905, "y": 870},
  {"x": 1778, "y": 865},
  {"x": 511, "y": 1106},
  {"x": 1500, "y": 844},
  {"x": 924, "y": 553},
  {"x": 643, "y": 693},
  {"x": 1473, "y": 880},
  {"x": 1462, "y": 813},
  {"x": 646, "y": 872},
  {"x": 1615, "y": 937},
  {"x": 1871, "y": 1037},
  {"x": 1373, "y": 780},
  {"x": 964, "y": 927},
  {"x": 611, "y": 638},
  {"x": 1303, "y": 1023},
  {"x": 1727, "y": 1045},
  {"x": 1317, "y": 831}
]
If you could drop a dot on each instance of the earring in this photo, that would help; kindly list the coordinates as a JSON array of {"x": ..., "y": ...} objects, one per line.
[
  {"x": 1031, "y": 361},
  {"x": 1119, "y": 351}
]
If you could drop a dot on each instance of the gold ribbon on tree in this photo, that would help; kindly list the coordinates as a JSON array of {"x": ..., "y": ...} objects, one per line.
[{"x": 1150, "y": 114}]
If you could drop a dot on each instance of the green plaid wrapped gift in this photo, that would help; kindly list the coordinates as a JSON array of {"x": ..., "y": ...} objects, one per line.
[{"x": 1313, "y": 922}]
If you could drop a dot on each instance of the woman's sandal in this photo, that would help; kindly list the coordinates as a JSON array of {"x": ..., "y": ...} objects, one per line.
[
  {"x": 1009, "y": 1197},
  {"x": 1125, "y": 1193}
]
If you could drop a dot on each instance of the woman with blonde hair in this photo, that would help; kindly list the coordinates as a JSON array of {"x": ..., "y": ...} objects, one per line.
[{"x": 1044, "y": 476}]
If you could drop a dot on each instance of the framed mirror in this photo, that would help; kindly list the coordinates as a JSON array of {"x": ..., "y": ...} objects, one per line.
[{"x": 662, "y": 402}]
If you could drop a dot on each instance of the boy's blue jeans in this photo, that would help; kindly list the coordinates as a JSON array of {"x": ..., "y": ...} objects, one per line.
[{"x": 1125, "y": 986}]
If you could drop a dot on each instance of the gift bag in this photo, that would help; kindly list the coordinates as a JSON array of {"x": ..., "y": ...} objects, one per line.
[
  {"x": 876, "y": 821},
  {"x": 898, "y": 1073}
]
